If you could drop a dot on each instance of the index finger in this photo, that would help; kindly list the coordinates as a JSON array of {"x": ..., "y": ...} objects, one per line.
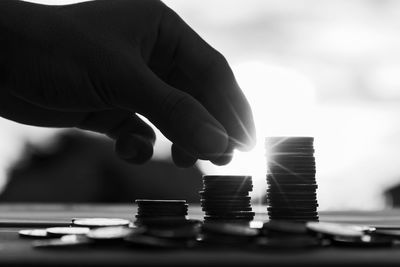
[{"x": 204, "y": 73}]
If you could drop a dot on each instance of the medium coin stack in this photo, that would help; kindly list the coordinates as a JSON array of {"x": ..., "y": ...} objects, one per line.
[
  {"x": 291, "y": 193},
  {"x": 160, "y": 212},
  {"x": 226, "y": 198}
]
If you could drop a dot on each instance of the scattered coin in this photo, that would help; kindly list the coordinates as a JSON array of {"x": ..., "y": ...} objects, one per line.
[
  {"x": 61, "y": 231},
  {"x": 100, "y": 222},
  {"x": 64, "y": 241},
  {"x": 33, "y": 233},
  {"x": 335, "y": 229},
  {"x": 111, "y": 233}
]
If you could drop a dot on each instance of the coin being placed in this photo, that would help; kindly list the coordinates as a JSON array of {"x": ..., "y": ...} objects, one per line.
[
  {"x": 335, "y": 229},
  {"x": 112, "y": 233},
  {"x": 100, "y": 222},
  {"x": 64, "y": 241},
  {"x": 33, "y": 233},
  {"x": 62, "y": 231}
]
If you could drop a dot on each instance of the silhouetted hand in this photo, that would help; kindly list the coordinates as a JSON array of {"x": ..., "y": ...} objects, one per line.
[{"x": 94, "y": 65}]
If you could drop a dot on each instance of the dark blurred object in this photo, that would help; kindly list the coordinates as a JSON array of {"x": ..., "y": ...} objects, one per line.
[
  {"x": 84, "y": 168},
  {"x": 392, "y": 196}
]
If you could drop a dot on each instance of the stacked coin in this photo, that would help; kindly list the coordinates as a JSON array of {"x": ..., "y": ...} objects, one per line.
[
  {"x": 226, "y": 198},
  {"x": 160, "y": 211},
  {"x": 291, "y": 193}
]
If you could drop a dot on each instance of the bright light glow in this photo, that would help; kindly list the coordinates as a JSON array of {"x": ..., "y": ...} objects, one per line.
[
  {"x": 282, "y": 101},
  {"x": 384, "y": 82}
]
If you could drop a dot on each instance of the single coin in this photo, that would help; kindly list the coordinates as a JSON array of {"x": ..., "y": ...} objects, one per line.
[
  {"x": 281, "y": 189},
  {"x": 238, "y": 213},
  {"x": 183, "y": 210},
  {"x": 292, "y": 205},
  {"x": 289, "y": 139},
  {"x": 294, "y": 169},
  {"x": 283, "y": 198},
  {"x": 288, "y": 182},
  {"x": 335, "y": 229},
  {"x": 285, "y": 176},
  {"x": 293, "y": 217},
  {"x": 221, "y": 182},
  {"x": 240, "y": 220},
  {"x": 144, "y": 216},
  {"x": 243, "y": 221},
  {"x": 225, "y": 201},
  {"x": 293, "y": 213},
  {"x": 166, "y": 210},
  {"x": 363, "y": 241},
  {"x": 227, "y": 188},
  {"x": 224, "y": 198},
  {"x": 294, "y": 173},
  {"x": 33, "y": 233},
  {"x": 286, "y": 166},
  {"x": 100, "y": 222},
  {"x": 230, "y": 209},
  {"x": 229, "y": 185},
  {"x": 162, "y": 213},
  {"x": 160, "y": 201},
  {"x": 305, "y": 195},
  {"x": 230, "y": 229},
  {"x": 224, "y": 194},
  {"x": 61, "y": 231},
  {"x": 225, "y": 206},
  {"x": 276, "y": 201},
  {"x": 227, "y": 177},
  {"x": 161, "y": 221},
  {"x": 159, "y": 216},
  {"x": 235, "y": 213},
  {"x": 111, "y": 233},
  {"x": 290, "y": 159},
  {"x": 295, "y": 148},
  {"x": 64, "y": 241},
  {"x": 302, "y": 219},
  {"x": 290, "y": 152}
]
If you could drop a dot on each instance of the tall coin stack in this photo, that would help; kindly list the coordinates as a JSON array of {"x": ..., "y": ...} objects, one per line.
[
  {"x": 226, "y": 198},
  {"x": 291, "y": 193},
  {"x": 159, "y": 212}
]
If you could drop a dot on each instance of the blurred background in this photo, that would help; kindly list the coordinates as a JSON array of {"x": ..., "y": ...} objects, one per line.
[{"x": 328, "y": 69}]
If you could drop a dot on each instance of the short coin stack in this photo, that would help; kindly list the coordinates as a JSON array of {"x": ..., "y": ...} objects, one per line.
[
  {"x": 160, "y": 211},
  {"x": 226, "y": 198},
  {"x": 291, "y": 193}
]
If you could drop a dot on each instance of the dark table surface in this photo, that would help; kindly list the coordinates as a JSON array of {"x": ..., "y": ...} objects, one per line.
[{"x": 17, "y": 251}]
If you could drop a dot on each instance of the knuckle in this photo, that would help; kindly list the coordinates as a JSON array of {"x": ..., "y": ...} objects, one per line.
[{"x": 214, "y": 68}]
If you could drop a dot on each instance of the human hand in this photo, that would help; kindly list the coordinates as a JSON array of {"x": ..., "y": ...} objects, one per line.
[{"x": 94, "y": 65}]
